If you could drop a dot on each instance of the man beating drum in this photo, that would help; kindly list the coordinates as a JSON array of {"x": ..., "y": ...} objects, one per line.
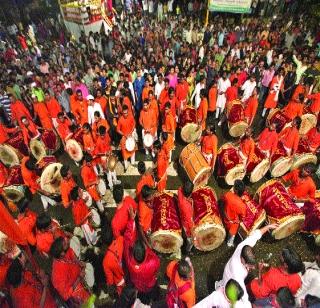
[{"x": 209, "y": 144}]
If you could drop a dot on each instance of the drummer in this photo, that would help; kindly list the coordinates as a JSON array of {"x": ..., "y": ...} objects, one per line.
[
  {"x": 29, "y": 130},
  {"x": 209, "y": 144},
  {"x": 169, "y": 127},
  {"x": 246, "y": 148},
  {"x": 202, "y": 111},
  {"x": 148, "y": 121},
  {"x": 63, "y": 127},
  {"x": 251, "y": 107},
  {"x": 290, "y": 137},
  {"x": 268, "y": 140},
  {"x": 162, "y": 165},
  {"x": 87, "y": 138},
  {"x": 99, "y": 120},
  {"x": 313, "y": 138},
  {"x": 294, "y": 108}
]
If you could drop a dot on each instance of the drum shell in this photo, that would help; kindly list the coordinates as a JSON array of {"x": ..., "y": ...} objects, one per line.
[
  {"x": 276, "y": 116},
  {"x": 312, "y": 212},
  {"x": 14, "y": 188},
  {"x": 208, "y": 231},
  {"x": 280, "y": 208},
  {"x": 51, "y": 141},
  {"x": 260, "y": 163},
  {"x": 280, "y": 161},
  {"x": 188, "y": 115},
  {"x": 195, "y": 165},
  {"x": 16, "y": 141},
  {"x": 236, "y": 120},
  {"x": 303, "y": 155},
  {"x": 165, "y": 225}
]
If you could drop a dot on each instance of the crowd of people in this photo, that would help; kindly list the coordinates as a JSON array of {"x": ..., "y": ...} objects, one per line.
[{"x": 77, "y": 104}]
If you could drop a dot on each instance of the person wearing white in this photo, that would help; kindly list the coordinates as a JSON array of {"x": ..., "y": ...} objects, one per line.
[
  {"x": 237, "y": 268},
  {"x": 248, "y": 88},
  {"x": 310, "y": 280},
  {"x": 223, "y": 84},
  {"x": 159, "y": 86},
  {"x": 92, "y": 108},
  {"x": 196, "y": 93}
]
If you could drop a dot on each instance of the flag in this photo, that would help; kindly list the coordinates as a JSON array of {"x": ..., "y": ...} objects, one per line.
[{"x": 9, "y": 227}]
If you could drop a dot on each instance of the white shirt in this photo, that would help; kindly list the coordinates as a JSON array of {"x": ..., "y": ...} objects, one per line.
[
  {"x": 234, "y": 269},
  {"x": 222, "y": 86},
  {"x": 158, "y": 88},
  {"x": 247, "y": 89},
  {"x": 218, "y": 299},
  {"x": 310, "y": 281},
  {"x": 196, "y": 94},
  {"x": 92, "y": 109}
]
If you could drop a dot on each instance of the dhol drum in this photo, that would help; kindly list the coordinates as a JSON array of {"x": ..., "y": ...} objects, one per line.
[
  {"x": 4, "y": 174},
  {"x": 312, "y": 212},
  {"x": 276, "y": 116},
  {"x": 48, "y": 144},
  {"x": 236, "y": 120},
  {"x": 255, "y": 215},
  {"x": 8, "y": 247},
  {"x": 16, "y": 141},
  {"x": 303, "y": 155},
  {"x": 309, "y": 120},
  {"x": 280, "y": 209},
  {"x": 50, "y": 177},
  {"x": 9, "y": 156},
  {"x": 208, "y": 231},
  {"x": 148, "y": 140},
  {"x": 259, "y": 166},
  {"x": 165, "y": 225},
  {"x": 229, "y": 164},
  {"x": 74, "y": 149},
  {"x": 130, "y": 144},
  {"x": 195, "y": 165},
  {"x": 190, "y": 130},
  {"x": 14, "y": 188},
  {"x": 280, "y": 162}
]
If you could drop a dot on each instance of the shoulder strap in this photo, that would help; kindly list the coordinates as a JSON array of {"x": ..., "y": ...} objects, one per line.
[{"x": 184, "y": 288}]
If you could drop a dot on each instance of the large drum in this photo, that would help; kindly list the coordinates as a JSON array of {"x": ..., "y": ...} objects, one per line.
[
  {"x": 208, "y": 231},
  {"x": 229, "y": 164},
  {"x": 190, "y": 130},
  {"x": 309, "y": 120},
  {"x": 276, "y": 116},
  {"x": 280, "y": 162},
  {"x": 312, "y": 212},
  {"x": 14, "y": 188},
  {"x": 236, "y": 120},
  {"x": 9, "y": 156},
  {"x": 303, "y": 155},
  {"x": 74, "y": 149},
  {"x": 165, "y": 225},
  {"x": 280, "y": 209},
  {"x": 195, "y": 165},
  {"x": 16, "y": 141},
  {"x": 48, "y": 144},
  {"x": 259, "y": 166},
  {"x": 255, "y": 215},
  {"x": 50, "y": 177}
]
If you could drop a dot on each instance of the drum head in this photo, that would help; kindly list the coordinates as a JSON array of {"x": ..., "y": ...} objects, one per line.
[
  {"x": 130, "y": 144},
  {"x": 8, "y": 155},
  {"x": 208, "y": 236},
  {"x": 259, "y": 171},
  {"x": 309, "y": 121},
  {"x": 165, "y": 241},
  {"x": 303, "y": 159},
  {"x": 191, "y": 132},
  {"x": 236, "y": 173},
  {"x": 290, "y": 226},
  {"x": 14, "y": 193},
  {"x": 51, "y": 178},
  {"x": 202, "y": 177},
  {"x": 238, "y": 129},
  {"x": 112, "y": 162},
  {"x": 261, "y": 219},
  {"x": 281, "y": 166},
  {"x": 38, "y": 149},
  {"x": 74, "y": 150},
  {"x": 147, "y": 140}
]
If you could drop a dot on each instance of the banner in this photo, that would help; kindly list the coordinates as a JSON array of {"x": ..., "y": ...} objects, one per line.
[{"x": 230, "y": 6}]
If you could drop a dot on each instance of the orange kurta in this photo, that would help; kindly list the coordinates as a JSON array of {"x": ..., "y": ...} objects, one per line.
[
  {"x": 4, "y": 131},
  {"x": 213, "y": 94},
  {"x": 30, "y": 178},
  {"x": 162, "y": 167},
  {"x": 154, "y": 105},
  {"x": 148, "y": 121},
  {"x": 182, "y": 90},
  {"x": 272, "y": 99},
  {"x": 251, "y": 108},
  {"x": 300, "y": 89},
  {"x": 29, "y": 132},
  {"x": 145, "y": 214},
  {"x": 169, "y": 127},
  {"x": 63, "y": 129},
  {"x": 66, "y": 185},
  {"x": 81, "y": 111},
  {"x": 18, "y": 110},
  {"x": 90, "y": 181},
  {"x": 126, "y": 126},
  {"x": 53, "y": 107},
  {"x": 315, "y": 105},
  {"x": 293, "y": 109},
  {"x": 247, "y": 148},
  {"x": 146, "y": 179},
  {"x": 313, "y": 138},
  {"x": 42, "y": 112},
  {"x": 268, "y": 140},
  {"x": 145, "y": 93},
  {"x": 290, "y": 138},
  {"x": 27, "y": 224},
  {"x": 102, "y": 101},
  {"x": 88, "y": 143},
  {"x": 97, "y": 124},
  {"x": 209, "y": 146},
  {"x": 202, "y": 112}
]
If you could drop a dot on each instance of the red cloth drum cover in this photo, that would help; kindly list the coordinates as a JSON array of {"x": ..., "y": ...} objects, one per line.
[
  {"x": 188, "y": 115},
  {"x": 226, "y": 160},
  {"x": 277, "y": 202},
  {"x": 4, "y": 174},
  {"x": 254, "y": 211},
  {"x": 279, "y": 119},
  {"x": 258, "y": 157},
  {"x": 15, "y": 176},
  {"x": 16, "y": 141},
  {"x": 50, "y": 139},
  {"x": 279, "y": 153},
  {"x": 78, "y": 136},
  {"x": 236, "y": 113},
  {"x": 45, "y": 161},
  {"x": 312, "y": 221},
  {"x": 303, "y": 146}
]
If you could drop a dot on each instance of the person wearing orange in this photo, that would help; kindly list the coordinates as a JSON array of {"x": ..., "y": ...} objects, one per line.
[
  {"x": 112, "y": 262},
  {"x": 164, "y": 94},
  {"x": 102, "y": 100},
  {"x": 87, "y": 138},
  {"x": 294, "y": 108},
  {"x": 251, "y": 107},
  {"x": 300, "y": 89},
  {"x": 268, "y": 140},
  {"x": 186, "y": 211},
  {"x": 53, "y": 106},
  {"x": 80, "y": 108},
  {"x": 313, "y": 138},
  {"x": 29, "y": 130},
  {"x": 92, "y": 183},
  {"x": 145, "y": 210},
  {"x": 154, "y": 105},
  {"x": 276, "y": 87},
  {"x": 146, "y": 89},
  {"x": 126, "y": 128},
  {"x": 121, "y": 217},
  {"x": 99, "y": 121},
  {"x": 174, "y": 104},
  {"x": 146, "y": 178},
  {"x": 289, "y": 136},
  {"x": 247, "y": 147},
  {"x": 232, "y": 91},
  {"x": 234, "y": 210},
  {"x": 5, "y": 131},
  {"x": 202, "y": 111},
  {"x": 169, "y": 127},
  {"x": 209, "y": 144},
  {"x": 126, "y": 101},
  {"x": 212, "y": 99},
  {"x": 18, "y": 110},
  {"x": 302, "y": 187},
  {"x": 66, "y": 185},
  {"x": 315, "y": 102},
  {"x": 182, "y": 90},
  {"x": 148, "y": 121},
  {"x": 63, "y": 127},
  {"x": 40, "y": 109},
  {"x": 181, "y": 289},
  {"x": 162, "y": 165}
]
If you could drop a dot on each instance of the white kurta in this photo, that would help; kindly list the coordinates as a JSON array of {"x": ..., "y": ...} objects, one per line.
[
  {"x": 223, "y": 85},
  {"x": 92, "y": 110},
  {"x": 247, "y": 89}
]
